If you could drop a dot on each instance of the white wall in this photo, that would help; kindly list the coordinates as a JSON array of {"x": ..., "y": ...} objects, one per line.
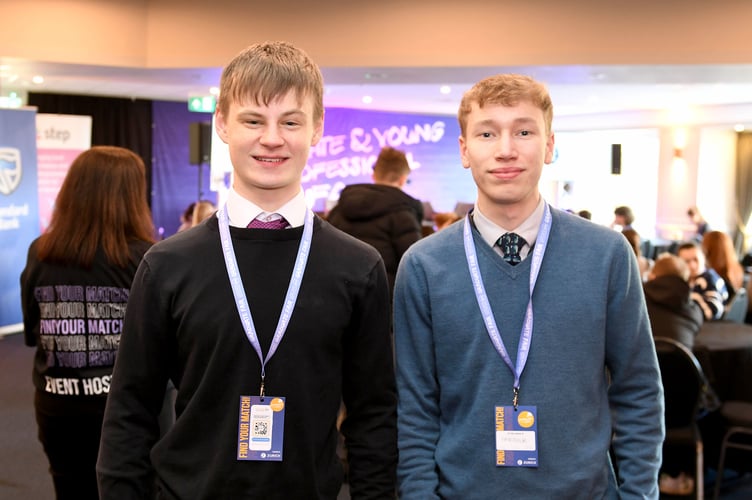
[{"x": 584, "y": 162}]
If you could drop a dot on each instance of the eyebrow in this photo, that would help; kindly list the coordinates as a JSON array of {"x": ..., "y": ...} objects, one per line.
[
  {"x": 517, "y": 121},
  {"x": 256, "y": 114}
]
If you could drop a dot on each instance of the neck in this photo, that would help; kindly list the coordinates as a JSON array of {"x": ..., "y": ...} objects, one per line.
[
  {"x": 269, "y": 200},
  {"x": 397, "y": 184},
  {"x": 509, "y": 216}
]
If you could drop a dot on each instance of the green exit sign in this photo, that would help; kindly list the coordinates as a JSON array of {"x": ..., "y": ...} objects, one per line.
[{"x": 202, "y": 104}]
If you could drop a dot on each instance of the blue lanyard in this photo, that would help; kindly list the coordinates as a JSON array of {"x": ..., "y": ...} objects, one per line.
[
  {"x": 238, "y": 291},
  {"x": 485, "y": 308}
]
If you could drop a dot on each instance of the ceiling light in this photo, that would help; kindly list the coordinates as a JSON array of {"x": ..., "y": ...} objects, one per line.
[
  {"x": 739, "y": 127},
  {"x": 367, "y": 99},
  {"x": 445, "y": 89},
  {"x": 214, "y": 90},
  {"x": 37, "y": 79}
]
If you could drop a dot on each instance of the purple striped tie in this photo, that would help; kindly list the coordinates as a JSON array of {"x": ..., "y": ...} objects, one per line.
[{"x": 280, "y": 223}]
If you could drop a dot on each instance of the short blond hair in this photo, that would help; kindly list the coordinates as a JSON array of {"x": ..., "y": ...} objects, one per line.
[
  {"x": 267, "y": 71},
  {"x": 507, "y": 90}
]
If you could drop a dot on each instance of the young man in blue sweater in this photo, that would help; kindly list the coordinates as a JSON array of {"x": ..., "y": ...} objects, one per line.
[{"x": 523, "y": 358}]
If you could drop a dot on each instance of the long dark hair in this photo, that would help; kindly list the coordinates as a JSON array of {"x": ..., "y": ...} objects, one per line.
[{"x": 101, "y": 204}]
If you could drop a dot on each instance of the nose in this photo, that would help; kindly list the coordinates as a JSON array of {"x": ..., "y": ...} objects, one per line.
[
  {"x": 505, "y": 147},
  {"x": 270, "y": 136}
]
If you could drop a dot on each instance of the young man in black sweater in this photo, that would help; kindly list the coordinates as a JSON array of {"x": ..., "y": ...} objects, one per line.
[{"x": 263, "y": 332}]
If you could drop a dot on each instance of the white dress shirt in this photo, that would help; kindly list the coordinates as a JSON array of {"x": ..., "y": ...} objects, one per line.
[
  {"x": 242, "y": 211},
  {"x": 491, "y": 232}
]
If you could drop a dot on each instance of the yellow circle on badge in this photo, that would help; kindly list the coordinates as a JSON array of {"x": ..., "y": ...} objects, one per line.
[
  {"x": 277, "y": 404},
  {"x": 525, "y": 419}
]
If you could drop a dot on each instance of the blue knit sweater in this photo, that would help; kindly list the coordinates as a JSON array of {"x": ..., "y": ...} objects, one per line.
[{"x": 591, "y": 372}]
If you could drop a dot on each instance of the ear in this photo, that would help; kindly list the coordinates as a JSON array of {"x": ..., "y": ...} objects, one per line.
[
  {"x": 318, "y": 131},
  {"x": 549, "y": 149},
  {"x": 220, "y": 125},
  {"x": 463, "y": 152}
]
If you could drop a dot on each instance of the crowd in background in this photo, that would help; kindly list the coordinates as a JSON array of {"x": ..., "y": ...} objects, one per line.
[{"x": 387, "y": 291}]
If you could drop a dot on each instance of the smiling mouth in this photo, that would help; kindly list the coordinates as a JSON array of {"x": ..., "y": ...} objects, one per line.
[{"x": 270, "y": 161}]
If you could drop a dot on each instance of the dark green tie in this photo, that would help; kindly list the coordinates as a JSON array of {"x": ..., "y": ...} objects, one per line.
[{"x": 510, "y": 244}]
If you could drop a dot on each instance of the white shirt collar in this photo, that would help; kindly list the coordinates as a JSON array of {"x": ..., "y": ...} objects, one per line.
[
  {"x": 491, "y": 232},
  {"x": 241, "y": 211}
]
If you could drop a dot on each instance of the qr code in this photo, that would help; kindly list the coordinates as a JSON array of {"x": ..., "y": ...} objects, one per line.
[{"x": 261, "y": 428}]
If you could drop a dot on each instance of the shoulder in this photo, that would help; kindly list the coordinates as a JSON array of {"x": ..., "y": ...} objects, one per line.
[
  {"x": 441, "y": 244},
  {"x": 340, "y": 243},
  {"x": 185, "y": 243},
  {"x": 572, "y": 227}
]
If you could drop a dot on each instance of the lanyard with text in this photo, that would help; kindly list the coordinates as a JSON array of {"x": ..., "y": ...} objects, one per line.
[
  {"x": 239, "y": 292},
  {"x": 485, "y": 308}
]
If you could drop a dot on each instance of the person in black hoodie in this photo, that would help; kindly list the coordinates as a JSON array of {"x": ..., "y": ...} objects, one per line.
[
  {"x": 671, "y": 310},
  {"x": 382, "y": 214}
]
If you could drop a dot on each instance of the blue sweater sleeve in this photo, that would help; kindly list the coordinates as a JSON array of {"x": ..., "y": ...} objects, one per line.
[
  {"x": 635, "y": 392},
  {"x": 418, "y": 409}
]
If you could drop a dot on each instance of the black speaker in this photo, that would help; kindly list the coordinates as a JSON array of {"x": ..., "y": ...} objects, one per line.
[
  {"x": 616, "y": 159},
  {"x": 199, "y": 143}
]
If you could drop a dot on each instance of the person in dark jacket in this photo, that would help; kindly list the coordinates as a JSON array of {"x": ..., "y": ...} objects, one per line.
[
  {"x": 671, "y": 310},
  {"x": 382, "y": 214},
  {"x": 74, "y": 293}
]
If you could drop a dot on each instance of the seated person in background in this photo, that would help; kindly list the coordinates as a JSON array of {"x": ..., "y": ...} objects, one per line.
[
  {"x": 202, "y": 211},
  {"x": 721, "y": 257},
  {"x": 708, "y": 288},
  {"x": 643, "y": 263},
  {"x": 699, "y": 221},
  {"x": 623, "y": 218},
  {"x": 443, "y": 219},
  {"x": 186, "y": 217},
  {"x": 381, "y": 214},
  {"x": 585, "y": 214},
  {"x": 671, "y": 310}
]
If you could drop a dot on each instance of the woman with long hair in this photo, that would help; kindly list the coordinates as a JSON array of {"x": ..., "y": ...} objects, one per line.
[
  {"x": 74, "y": 291},
  {"x": 721, "y": 257}
]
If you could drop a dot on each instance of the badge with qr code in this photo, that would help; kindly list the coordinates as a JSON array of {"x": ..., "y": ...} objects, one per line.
[{"x": 261, "y": 425}]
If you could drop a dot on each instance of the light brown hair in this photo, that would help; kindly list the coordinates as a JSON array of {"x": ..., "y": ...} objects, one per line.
[
  {"x": 267, "y": 71},
  {"x": 101, "y": 204},
  {"x": 391, "y": 165},
  {"x": 634, "y": 240},
  {"x": 668, "y": 264},
  {"x": 507, "y": 90},
  {"x": 625, "y": 212},
  {"x": 721, "y": 257},
  {"x": 202, "y": 210}
]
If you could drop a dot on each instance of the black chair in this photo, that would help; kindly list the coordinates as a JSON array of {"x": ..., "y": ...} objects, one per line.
[
  {"x": 737, "y": 309},
  {"x": 683, "y": 385},
  {"x": 738, "y": 416}
]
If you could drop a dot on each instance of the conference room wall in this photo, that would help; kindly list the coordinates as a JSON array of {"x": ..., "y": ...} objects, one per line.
[{"x": 343, "y": 33}]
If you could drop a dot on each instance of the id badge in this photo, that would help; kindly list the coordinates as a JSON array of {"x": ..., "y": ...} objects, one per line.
[
  {"x": 261, "y": 425},
  {"x": 516, "y": 436}
]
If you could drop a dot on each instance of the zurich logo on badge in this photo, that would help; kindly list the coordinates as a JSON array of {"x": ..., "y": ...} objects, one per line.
[{"x": 10, "y": 170}]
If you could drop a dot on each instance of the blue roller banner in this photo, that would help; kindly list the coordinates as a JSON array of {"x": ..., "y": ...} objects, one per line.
[{"x": 19, "y": 208}]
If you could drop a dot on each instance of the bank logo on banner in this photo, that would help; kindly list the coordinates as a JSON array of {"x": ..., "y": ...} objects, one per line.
[{"x": 10, "y": 170}]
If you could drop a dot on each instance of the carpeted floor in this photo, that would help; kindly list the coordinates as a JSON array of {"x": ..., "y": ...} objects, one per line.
[{"x": 23, "y": 466}]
